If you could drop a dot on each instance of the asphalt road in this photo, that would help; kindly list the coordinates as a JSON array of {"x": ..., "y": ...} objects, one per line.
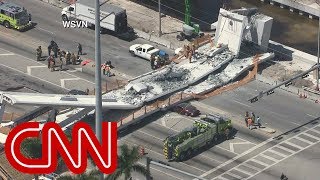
[
  {"x": 282, "y": 111},
  {"x": 49, "y": 26}
]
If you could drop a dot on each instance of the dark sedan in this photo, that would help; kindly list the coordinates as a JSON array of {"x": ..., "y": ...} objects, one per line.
[{"x": 186, "y": 109}]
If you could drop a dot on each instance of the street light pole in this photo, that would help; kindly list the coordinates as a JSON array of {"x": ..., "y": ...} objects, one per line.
[
  {"x": 317, "y": 88},
  {"x": 160, "y": 32},
  {"x": 98, "y": 91}
]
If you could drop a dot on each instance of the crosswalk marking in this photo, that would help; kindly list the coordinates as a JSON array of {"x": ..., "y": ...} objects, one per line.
[
  {"x": 303, "y": 140},
  {"x": 242, "y": 171},
  {"x": 294, "y": 145},
  {"x": 245, "y": 166},
  {"x": 234, "y": 175},
  {"x": 222, "y": 178},
  {"x": 277, "y": 153},
  {"x": 251, "y": 167},
  {"x": 312, "y": 136},
  {"x": 268, "y": 157},
  {"x": 280, "y": 146},
  {"x": 316, "y": 130},
  {"x": 259, "y": 162}
]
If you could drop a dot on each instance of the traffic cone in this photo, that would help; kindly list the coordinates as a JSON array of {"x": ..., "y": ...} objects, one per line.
[{"x": 142, "y": 152}]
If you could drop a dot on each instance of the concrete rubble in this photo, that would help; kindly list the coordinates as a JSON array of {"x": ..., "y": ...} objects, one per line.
[{"x": 170, "y": 79}]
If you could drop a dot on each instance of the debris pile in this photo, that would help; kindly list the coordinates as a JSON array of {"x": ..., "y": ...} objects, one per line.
[{"x": 177, "y": 77}]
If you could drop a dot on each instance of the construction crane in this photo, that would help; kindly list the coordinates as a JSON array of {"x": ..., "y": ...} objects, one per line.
[{"x": 189, "y": 29}]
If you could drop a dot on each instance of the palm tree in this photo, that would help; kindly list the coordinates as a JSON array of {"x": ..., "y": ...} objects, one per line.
[
  {"x": 32, "y": 148},
  {"x": 127, "y": 163}
]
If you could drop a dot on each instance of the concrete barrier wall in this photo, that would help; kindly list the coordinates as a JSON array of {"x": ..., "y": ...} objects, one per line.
[{"x": 281, "y": 49}]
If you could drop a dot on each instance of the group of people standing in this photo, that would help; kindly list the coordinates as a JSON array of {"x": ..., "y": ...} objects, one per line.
[
  {"x": 251, "y": 120},
  {"x": 106, "y": 68},
  {"x": 58, "y": 58}
]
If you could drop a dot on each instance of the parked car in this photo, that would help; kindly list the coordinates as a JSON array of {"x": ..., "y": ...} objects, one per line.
[
  {"x": 186, "y": 109},
  {"x": 77, "y": 92},
  {"x": 143, "y": 50}
]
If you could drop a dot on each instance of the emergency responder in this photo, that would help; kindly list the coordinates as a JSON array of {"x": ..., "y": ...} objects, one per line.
[
  {"x": 68, "y": 57},
  {"x": 109, "y": 63},
  {"x": 103, "y": 67},
  {"x": 152, "y": 61},
  {"x": 52, "y": 64},
  {"x": 108, "y": 70},
  {"x": 227, "y": 133},
  {"x": 49, "y": 59},
  {"x": 253, "y": 116},
  {"x": 79, "y": 49},
  {"x": 39, "y": 53},
  {"x": 55, "y": 50},
  {"x": 246, "y": 118},
  {"x": 156, "y": 62},
  {"x": 60, "y": 62},
  {"x": 250, "y": 123},
  {"x": 258, "y": 122},
  {"x": 78, "y": 59},
  {"x": 73, "y": 59},
  {"x": 49, "y": 50}
]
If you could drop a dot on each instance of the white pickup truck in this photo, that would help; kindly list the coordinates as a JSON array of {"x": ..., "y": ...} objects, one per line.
[{"x": 143, "y": 50}]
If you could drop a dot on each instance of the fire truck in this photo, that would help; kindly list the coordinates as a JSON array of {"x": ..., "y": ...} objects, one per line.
[
  {"x": 14, "y": 16},
  {"x": 207, "y": 130}
]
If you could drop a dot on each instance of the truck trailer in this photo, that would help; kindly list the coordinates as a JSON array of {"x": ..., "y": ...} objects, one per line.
[
  {"x": 209, "y": 129},
  {"x": 14, "y": 16},
  {"x": 113, "y": 18}
]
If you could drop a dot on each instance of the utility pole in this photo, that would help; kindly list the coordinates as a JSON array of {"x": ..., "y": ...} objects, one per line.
[
  {"x": 98, "y": 92},
  {"x": 317, "y": 73},
  {"x": 160, "y": 32},
  {"x": 148, "y": 160}
]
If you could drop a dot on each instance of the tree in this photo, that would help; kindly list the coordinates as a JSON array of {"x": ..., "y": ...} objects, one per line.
[
  {"x": 127, "y": 163},
  {"x": 32, "y": 148}
]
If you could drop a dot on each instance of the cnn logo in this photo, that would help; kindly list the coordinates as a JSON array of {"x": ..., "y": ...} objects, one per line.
[{"x": 55, "y": 141}]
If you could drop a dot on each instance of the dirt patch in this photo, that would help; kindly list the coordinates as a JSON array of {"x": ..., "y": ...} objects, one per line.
[
  {"x": 147, "y": 20},
  {"x": 278, "y": 72}
]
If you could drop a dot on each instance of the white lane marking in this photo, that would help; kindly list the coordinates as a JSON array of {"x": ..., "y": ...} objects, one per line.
[
  {"x": 294, "y": 145},
  {"x": 31, "y": 60},
  {"x": 259, "y": 162},
  {"x": 160, "y": 139},
  {"x": 280, "y": 146},
  {"x": 303, "y": 140},
  {"x": 234, "y": 175},
  {"x": 245, "y": 140},
  {"x": 10, "y": 54},
  {"x": 63, "y": 81},
  {"x": 312, "y": 136},
  {"x": 311, "y": 115},
  {"x": 241, "y": 103},
  {"x": 227, "y": 149},
  {"x": 45, "y": 30},
  {"x": 269, "y": 157},
  {"x": 251, "y": 167},
  {"x": 32, "y": 76},
  {"x": 165, "y": 173},
  {"x": 277, "y": 153},
  {"x": 29, "y": 68},
  {"x": 242, "y": 171},
  {"x": 237, "y": 157}
]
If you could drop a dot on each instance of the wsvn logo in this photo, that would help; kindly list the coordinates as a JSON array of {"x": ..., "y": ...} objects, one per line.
[{"x": 54, "y": 141}]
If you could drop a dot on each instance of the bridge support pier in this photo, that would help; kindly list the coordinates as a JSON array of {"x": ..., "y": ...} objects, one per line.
[{"x": 2, "y": 107}]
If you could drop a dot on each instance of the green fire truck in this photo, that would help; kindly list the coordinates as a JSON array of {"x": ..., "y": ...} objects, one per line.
[
  {"x": 14, "y": 16},
  {"x": 207, "y": 130}
]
